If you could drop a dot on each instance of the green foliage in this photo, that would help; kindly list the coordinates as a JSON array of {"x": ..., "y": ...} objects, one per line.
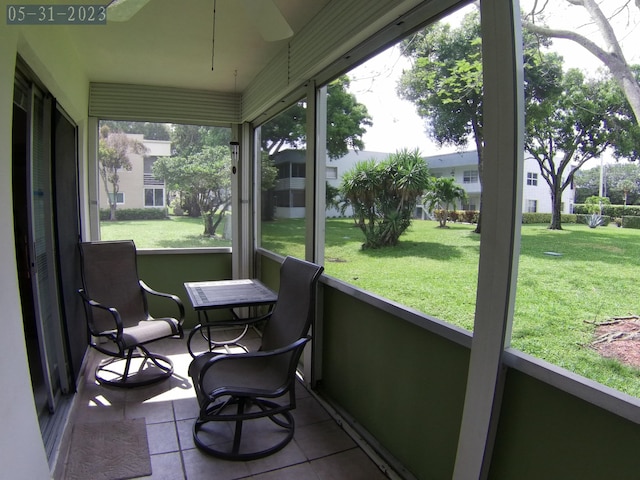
[
  {"x": 203, "y": 176},
  {"x": 531, "y": 218},
  {"x": 347, "y": 120},
  {"x": 620, "y": 180},
  {"x": 609, "y": 210},
  {"x": 631, "y": 222},
  {"x": 595, "y": 204},
  {"x": 384, "y": 195},
  {"x": 578, "y": 122},
  {"x": 135, "y": 214},
  {"x": 443, "y": 193},
  {"x": 114, "y": 149}
]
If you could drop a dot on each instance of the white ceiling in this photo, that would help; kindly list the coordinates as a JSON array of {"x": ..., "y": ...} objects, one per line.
[{"x": 169, "y": 43}]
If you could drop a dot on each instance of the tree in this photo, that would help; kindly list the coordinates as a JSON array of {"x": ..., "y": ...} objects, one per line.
[
  {"x": 627, "y": 186},
  {"x": 619, "y": 179},
  {"x": 113, "y": 156},
  {"x": 611, "y": 55},
  {"x": 445, "y": 83},
  {"x": 443, "y": 193},
  {"x": 346, "y": 123},
  {"x": 187, "y": 140},
  {"x": 204, "y": 176},
  {"x": 576, "y": 123},
  {"x": 384, "y": 195}
]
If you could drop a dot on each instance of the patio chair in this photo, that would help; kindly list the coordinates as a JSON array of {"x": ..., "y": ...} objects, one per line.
[
  {"x": 257, "y": 386},
  {"x": 115, "y": 303}
]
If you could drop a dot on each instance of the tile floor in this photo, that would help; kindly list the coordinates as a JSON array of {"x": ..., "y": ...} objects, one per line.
[{"x": 320, "y": 448}]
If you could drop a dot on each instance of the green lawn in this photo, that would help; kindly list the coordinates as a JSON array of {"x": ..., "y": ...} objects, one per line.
[
  {"x": 435, "y": 271},
  {"x": 174, "y": 232}
]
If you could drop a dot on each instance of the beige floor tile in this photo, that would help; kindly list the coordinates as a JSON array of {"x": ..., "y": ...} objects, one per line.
[
  {"x": 162, "y": 438},
  {"x": 203, "y": 467},
  {"x": 349, "y": 465},
  {"x": 321, "y": 439},
  {"x": 303, "y": 471}
]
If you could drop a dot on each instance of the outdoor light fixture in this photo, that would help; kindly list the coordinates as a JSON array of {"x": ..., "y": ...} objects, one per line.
[{"x": 235, "y": 154}]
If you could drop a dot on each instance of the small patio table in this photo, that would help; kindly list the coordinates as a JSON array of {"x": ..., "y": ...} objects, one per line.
[{"x": 225, "y": 294}]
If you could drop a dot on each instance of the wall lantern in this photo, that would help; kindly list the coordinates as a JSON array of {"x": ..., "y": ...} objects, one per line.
[{"x": 235, "y": 154}]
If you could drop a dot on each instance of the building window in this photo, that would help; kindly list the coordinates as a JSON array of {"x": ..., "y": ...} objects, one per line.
[
  {"x": 297, "y": 198},
  {"x": 332, "y": 173},
  {"x": 154, "y": 197},
  {"x": 119, "y": 198},
  {"x": 298, "y": 170},
  {"x": 532, "y": 179},
  {"x": 469, "y": 206},
  {"x": 532, "y": 206},
  {"x": 283, "y": 170},
  {"x": 470, "y": 176}
]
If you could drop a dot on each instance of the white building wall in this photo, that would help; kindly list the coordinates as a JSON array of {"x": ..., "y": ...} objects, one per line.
[{"x": 132, "y": 182}]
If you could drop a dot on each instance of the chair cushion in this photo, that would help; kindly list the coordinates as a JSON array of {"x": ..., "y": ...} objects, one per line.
[
  {"x": 253, "y": 376},
  {"x": 148, "y": 331}
]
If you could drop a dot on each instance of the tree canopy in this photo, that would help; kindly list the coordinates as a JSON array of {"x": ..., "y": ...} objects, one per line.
[
  {"x": 445, "y": 83},
  {"x": 442, "y": 195},
  {"x": 346, "y": 123},
  {"x": 610, "y": 53},
  {"x": 113, "y": 156},
  {"x": 574, "y": 123},
  {"x": 203, "y": 176}
]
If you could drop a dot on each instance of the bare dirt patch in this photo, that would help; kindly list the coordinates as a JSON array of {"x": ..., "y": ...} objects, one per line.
[{"x": 619, "y": 338}]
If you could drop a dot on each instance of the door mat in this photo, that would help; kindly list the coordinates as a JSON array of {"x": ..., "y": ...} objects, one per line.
[{"x": 108, "y": 451}]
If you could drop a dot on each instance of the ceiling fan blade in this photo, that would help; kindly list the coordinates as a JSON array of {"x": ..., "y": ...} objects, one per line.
[
  {"x": 123, "y": 10},
  {"x": 268, "y": 20}
]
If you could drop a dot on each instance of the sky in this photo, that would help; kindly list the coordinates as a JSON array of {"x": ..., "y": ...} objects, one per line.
[{"x": 396, "y": 123}]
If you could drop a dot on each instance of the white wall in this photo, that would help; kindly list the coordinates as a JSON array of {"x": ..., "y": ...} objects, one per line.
[{"x": 48, "y": 52}]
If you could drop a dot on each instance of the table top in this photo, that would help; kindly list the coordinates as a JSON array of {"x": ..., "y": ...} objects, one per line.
[{"x": 229, "y": 294}]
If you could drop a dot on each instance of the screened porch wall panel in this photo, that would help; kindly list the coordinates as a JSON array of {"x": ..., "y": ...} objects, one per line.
[{"x": 163, "y": 104}]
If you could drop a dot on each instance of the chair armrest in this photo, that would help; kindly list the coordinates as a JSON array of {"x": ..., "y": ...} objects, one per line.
[
  {"x": 170, "y": 296},
  {"x": 247, "y": 357},
  {"x": 90, "y": 304}
]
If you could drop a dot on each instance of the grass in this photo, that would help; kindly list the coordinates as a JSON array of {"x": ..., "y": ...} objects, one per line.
[
  {"x": 174, "y": 232},
  {"x": 434, "y": 270}
]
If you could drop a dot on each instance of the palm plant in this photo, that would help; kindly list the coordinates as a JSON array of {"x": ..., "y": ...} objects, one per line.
[
  {"x": 384, "y": 195},
  {"x": 444, "y": 192}
]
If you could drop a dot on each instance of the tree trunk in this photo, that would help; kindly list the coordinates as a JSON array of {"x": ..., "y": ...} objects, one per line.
[
  {"x": 207, "y": 218},
  {"x": 556, "y": 210}
]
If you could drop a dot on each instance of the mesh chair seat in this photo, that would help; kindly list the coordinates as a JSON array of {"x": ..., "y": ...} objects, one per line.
[
  {"x": 257, "y": 386},
  {"x": 115, "y": 303}
]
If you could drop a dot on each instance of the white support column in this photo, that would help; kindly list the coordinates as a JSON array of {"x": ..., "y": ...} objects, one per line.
[
  {"x": 242, "y": 205},
  {"x": 500, "y": 241}
]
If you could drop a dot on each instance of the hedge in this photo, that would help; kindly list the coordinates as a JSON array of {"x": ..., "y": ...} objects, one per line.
[
  {"x": 135, "y": 214},
  {"x": 631, "y": 221},
  {"x": 611, "y": 210},
  {"x": 528, "y": 218}
]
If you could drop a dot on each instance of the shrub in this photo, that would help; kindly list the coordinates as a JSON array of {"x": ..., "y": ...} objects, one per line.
[
  {"x": 631, "y": 222},
  {"x": 595, "y": 220},
  {"x": 583, "y": 219},
  {"x": 135, "y": 214},
  {"x": 594, "y": 204},
  {"x": 469, "y": 216},
  {"x": 528, "y": 218}
]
